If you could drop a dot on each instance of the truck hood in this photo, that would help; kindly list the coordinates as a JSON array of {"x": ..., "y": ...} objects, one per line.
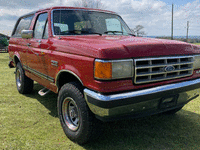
[{"x": 116, "y": 47}]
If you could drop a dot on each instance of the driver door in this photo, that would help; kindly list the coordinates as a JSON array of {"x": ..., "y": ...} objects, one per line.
[{"x": 38, "y": 47}]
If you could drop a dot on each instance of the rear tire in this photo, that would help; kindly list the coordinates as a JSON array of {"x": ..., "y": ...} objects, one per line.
[
  {"x": 78, "y": 122},
  {"x": 24, "y": 84}
]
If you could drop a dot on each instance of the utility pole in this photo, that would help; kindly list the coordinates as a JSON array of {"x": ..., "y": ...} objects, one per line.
[
  {"x": 187, "y": 31},
  {"x": 172, "y": 21}
]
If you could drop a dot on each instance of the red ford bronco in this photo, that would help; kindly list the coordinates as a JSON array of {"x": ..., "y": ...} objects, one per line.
[{"x": 99, "y": 69}]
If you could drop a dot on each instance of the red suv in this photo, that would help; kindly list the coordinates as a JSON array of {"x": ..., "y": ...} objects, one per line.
[{"x": 99, "y": 69}]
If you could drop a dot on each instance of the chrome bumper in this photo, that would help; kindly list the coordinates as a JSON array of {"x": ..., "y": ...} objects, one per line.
[{"x": 137, "y": 102}]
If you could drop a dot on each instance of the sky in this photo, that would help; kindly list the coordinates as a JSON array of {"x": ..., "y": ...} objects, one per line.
[{"x": 154, "y": 15}]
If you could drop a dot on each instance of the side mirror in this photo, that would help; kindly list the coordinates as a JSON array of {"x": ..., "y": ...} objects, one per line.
[{"x": 27, "y": 34}]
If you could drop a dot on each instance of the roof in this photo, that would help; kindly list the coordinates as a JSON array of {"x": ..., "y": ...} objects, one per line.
[
  {"x": 70, "y": 8},
  {"x": 75, "y": 8}
]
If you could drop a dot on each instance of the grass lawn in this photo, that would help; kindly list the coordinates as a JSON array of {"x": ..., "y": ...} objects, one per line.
[{"x": 30, "y": 122}]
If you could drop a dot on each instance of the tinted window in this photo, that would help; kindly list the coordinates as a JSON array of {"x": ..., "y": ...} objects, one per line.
[
  {"x": 24, "y": 24},
  {"x": 40, "y": 26}
]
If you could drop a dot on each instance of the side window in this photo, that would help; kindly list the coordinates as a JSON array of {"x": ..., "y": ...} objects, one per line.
[
  {"x": 40, "y": 26},
  {"x": 24, "y": 24},
  {"x": 124, "y": 31},
  {"x": 46, "y": 31}
]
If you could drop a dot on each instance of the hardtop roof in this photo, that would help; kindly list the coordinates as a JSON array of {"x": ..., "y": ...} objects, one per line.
[
  {"x": 77, "y": 8},
  {"x": 63, "y": 7}
]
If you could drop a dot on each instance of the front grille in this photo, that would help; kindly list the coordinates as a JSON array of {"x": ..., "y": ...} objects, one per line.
[{"x": 164, "y": 68}]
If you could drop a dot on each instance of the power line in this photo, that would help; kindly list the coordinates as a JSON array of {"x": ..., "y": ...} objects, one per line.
[
  {"x": 172, "y": 21},
  {"x": 187, "y": 31}
]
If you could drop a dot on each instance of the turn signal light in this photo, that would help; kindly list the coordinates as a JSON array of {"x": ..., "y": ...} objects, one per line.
[{"x": 103, "y": 70}]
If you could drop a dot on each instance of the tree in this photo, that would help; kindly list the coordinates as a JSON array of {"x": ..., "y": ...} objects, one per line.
[
  {"x": 89, "y": 4},
  {"x": 138, "y": 32},
  {"x": 4, "y": 42}
]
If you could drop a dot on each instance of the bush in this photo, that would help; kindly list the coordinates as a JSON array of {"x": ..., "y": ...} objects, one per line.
[{"x": 4, "y": 42}]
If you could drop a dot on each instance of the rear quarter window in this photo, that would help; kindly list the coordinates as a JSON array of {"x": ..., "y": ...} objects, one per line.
[{"x": 23, "y": 24}]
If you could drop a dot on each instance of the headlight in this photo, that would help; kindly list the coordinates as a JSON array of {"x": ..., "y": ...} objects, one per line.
[
  {"x": 197, "y": 62},
  {"x": 113, "y": 69}
]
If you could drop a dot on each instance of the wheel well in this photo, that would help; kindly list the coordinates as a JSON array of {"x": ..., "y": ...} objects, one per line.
[
  {"x": 16, "y": 60},
  {"x": 66, "y": 77}
]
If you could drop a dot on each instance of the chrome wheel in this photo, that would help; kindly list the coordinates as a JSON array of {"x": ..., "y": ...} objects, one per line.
[
  {"x": 18, "y": 78},
  {"x": 70, "y": 113}
]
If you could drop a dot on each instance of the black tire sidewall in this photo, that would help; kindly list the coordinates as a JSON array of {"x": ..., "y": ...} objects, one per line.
[
  {"x": 83, "y": 133},
  {"x": 26, "y": 83},
  {"x": 21, "y": 88}
]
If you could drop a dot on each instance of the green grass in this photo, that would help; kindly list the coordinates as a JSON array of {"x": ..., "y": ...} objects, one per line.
[
  {"x": 30, "y": 122},
  {"x": 197, "y": 43}
]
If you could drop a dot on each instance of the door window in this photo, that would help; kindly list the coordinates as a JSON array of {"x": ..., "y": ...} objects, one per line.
[
  {"x": 46, "y": 31},
  {"x": 40, "y": 26},
  {"x": 24, "y": 24}
]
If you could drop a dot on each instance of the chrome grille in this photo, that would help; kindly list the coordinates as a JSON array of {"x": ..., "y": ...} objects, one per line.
[{"x": 164, "y": 68}]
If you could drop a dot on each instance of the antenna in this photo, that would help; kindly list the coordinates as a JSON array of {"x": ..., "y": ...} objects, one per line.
[
  {"x": 172, "y": 21},
  {"x": 187, "y": 31}
]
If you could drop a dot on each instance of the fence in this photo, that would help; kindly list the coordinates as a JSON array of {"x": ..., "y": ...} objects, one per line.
[{"x": 3, "y": 48}]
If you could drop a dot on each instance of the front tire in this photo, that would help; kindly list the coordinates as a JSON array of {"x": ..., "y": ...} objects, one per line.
[
  {"x": 77, "y": 121},
  {"x": 24, "y": 84}
]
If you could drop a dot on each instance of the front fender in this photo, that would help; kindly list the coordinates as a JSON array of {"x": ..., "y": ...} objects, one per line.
[
  {"x": 16, "y": 55},
  {"x": 68, "y": 69}
]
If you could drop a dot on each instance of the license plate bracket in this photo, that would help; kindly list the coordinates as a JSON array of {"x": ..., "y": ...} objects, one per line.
[{"x": 169, "y": 101}]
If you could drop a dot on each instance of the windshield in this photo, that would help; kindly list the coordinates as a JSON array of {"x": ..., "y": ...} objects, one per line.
[{"x": 81, "y": 22}]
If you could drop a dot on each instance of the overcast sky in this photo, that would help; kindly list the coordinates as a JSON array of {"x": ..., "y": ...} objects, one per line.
[{"x": 154, "y": 15}]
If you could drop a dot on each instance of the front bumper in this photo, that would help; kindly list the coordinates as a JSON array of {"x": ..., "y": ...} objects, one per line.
[{"x": 142, "y": 102}]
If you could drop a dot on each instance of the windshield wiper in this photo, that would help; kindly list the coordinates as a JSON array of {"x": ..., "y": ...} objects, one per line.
[
  {"x": 81, "y": 31},
  {"x": 119, "y": 32},
  {"x": 113, "y": 32},
  {"x": 131, "y": 34},
  {"x": 95, "y": 33}
]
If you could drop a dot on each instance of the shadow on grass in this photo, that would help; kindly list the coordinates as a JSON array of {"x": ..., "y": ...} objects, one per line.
[
  {"x": 179, "y": 131},
  {"x": 49, "y": 100}
]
